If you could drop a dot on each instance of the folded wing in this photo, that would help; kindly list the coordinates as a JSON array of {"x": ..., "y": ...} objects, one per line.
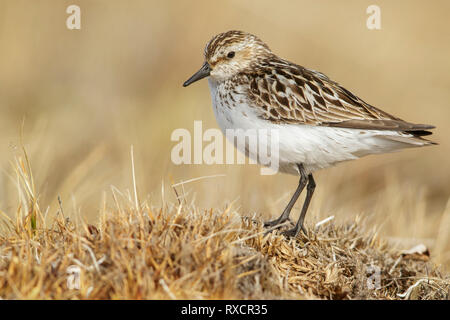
[{"x": 296, "y": 95}]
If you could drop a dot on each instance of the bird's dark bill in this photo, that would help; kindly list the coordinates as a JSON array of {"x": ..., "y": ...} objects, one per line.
[{"x": 200, "y": 74}]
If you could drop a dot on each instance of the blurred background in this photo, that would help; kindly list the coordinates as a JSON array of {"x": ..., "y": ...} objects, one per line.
[{"x": 85, "y": 96}]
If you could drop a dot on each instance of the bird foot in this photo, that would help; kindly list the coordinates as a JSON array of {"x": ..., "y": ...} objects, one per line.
[
  {"x": 292, "y": 233},
  {"x": 275, "y": 222}
]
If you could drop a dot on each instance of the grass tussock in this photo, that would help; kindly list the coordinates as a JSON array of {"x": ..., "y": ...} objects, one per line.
[{"x": 181, "y": 252}]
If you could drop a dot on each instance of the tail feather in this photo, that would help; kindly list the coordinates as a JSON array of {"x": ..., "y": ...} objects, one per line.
[
  {"x": 420, "y": 133},
  {"x": 409, "y": 140}
]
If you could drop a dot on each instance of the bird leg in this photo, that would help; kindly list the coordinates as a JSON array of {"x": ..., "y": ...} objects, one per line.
[
  {"x": 285, "y": 215},
  {"x": 299, "y": 226}
]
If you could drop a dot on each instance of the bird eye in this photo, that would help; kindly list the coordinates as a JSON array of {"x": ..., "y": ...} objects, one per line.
[{"x": 230, "y": 55}]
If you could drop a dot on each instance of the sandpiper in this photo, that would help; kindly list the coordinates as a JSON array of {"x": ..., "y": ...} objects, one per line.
[{"x": 319, "y": 122}]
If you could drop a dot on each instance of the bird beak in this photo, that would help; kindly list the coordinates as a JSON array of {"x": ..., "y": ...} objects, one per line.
[{"x": 200, "y": 74}]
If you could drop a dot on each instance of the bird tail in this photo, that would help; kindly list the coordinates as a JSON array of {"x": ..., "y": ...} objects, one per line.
[{"x": 411, "y": 139}]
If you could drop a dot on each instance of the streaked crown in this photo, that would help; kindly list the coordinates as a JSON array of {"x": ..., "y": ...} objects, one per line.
[{"x": 231, "y": 52}]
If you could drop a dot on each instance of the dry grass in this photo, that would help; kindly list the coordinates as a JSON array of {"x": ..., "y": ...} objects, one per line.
[{"x": 181, "y": 252}]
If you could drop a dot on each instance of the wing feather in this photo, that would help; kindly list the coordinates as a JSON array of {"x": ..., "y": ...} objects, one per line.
[{"x": 296, "y": 95}]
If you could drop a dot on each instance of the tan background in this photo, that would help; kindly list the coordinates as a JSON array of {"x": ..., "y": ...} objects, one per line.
[{"x": 85, "y": 96}]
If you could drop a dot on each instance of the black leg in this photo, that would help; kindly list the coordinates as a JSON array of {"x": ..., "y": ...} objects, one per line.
[
  {"x": 285, "y": 215},
  {"x": 299, "y": 226}
]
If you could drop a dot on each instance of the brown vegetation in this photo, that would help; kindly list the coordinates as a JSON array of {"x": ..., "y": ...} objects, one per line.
[{"x": 136, "y": 251}]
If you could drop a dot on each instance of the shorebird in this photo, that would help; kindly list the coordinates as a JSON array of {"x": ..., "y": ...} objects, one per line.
[{"x": 319, "y": 122}]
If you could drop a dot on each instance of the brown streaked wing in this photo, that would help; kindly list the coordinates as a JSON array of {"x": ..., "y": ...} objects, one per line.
[{"x": 314, "y": 99}]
